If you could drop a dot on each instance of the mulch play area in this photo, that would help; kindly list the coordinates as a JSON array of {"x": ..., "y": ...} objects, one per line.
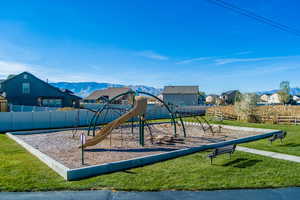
[{"x": 123, "y": 143}]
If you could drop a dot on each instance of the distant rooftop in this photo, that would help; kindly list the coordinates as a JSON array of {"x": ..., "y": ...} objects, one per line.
[
  {"x": 110, "y": 92},
  {"x": 229, "y": 92},
  {"x": 181, "y": 90}
]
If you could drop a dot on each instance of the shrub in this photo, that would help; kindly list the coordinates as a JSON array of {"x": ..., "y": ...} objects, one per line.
[{"x": 245, "y": 108}]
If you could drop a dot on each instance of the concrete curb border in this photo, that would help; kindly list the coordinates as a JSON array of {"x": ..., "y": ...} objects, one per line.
[{"x": 85, "y": 172}]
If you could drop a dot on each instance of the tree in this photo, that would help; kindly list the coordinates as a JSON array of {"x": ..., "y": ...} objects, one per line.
[
  {"x": 285, "y": 86},
  {"x": 245, "y": 107},
  {"x": 284, "y": 92},
  {"x": 200, "y": 93},
  {"x": 201, "y": 97}
]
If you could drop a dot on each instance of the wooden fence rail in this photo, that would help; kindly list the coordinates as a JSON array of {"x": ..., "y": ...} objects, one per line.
[
  {"x": 288, "y": 120},
  {"x": 275, "y": 119}
]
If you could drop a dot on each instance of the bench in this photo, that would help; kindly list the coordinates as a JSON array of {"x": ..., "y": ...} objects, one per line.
[
  {"x": 276, "y": 136},
  {"x": 222, "y": 150}
]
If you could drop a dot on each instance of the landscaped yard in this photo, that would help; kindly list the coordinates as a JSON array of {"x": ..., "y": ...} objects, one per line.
[
  {"x": 290, "y": 145},
  {"x": 20, "y": 171}
]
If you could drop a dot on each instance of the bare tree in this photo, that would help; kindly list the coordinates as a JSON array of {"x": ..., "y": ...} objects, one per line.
[{"x": 246, "y": 107}]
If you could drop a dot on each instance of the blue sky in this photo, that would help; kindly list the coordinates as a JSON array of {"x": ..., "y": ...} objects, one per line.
[{"x": 155, "y": 43}]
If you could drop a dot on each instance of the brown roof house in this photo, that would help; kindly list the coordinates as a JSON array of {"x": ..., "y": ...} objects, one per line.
[{"x": 103, "y": 96}]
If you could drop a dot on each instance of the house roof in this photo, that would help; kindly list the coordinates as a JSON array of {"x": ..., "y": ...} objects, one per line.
[
  {"x": 14, "y": 76},
  {"x": 181, "y": 90},
  {"x": 229, "y": 92},
  {"x": 110, "y": 92},
  {"x": 66, "y": 91}
]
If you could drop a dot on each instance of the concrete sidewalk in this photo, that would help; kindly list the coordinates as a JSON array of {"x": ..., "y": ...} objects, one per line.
[
  {"x": 257, "y": 194},
  {"x": 270, "y": 154}
]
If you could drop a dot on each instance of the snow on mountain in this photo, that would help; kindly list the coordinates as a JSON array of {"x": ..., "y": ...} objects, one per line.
[{"x": 83, "y": 89}]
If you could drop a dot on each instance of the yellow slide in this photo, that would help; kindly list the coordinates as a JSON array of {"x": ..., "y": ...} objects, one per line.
[{"x": 139, "y": 109}]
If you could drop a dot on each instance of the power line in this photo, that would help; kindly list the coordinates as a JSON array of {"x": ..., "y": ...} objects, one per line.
[{"x": 255, "y": 16}]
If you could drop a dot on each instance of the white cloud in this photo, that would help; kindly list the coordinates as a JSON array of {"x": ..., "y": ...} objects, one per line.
[
  {"x": 224, "y": 61},
  {"x": 194, "y": 60},
  {"x": 7, "y": 68},
  {"x": 152, "y": 55},
  {"x": 247, "y": 72}
]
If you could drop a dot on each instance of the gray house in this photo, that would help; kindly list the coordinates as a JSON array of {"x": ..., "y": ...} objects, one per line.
[
  {"x": 26, "y": 89},
  {"x": 230, "y": 96},
  {"x": 181, "y": 95}
]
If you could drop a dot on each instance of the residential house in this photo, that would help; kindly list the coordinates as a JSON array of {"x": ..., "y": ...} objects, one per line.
[
  {"x": 230, "y": 96},
  {"x": 274, "y": 99},
  {"x": 27, "y": 89},
  {"x": 211, "y": 98},
  {"x": 296, "y": 98},
  {"x": 102, "y": 96},
  {"x": 152, "y": 100},
  {"x": 201, "y": 99},
  {"x": 160, "y": 97},
  {"x": 181, "y": 95},
  {"x": 265, "y": 98}
]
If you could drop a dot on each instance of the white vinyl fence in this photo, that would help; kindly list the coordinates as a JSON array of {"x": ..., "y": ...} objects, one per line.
[
  {"x": 15, "y": 121},
  {"x": 22, "y": 108}
]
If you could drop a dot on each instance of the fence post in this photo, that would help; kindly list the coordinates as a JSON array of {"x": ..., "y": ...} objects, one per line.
[
  {"x": 32, "y": 119},
  {"x": 12, "y": 120},
  {"x": 50, "y": 119},
  {"x": 65, "y": 115}
]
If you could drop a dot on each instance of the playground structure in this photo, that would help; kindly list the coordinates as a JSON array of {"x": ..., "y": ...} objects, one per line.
[
  {"x": 139, "y": 110},
  {"x": 134, "y": 117}
]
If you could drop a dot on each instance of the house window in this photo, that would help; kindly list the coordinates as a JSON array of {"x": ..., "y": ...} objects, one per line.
[
  {"x": 25, "y": 76},
  {"x": 25, "y": 88},
  {"x": 52, "y": 102}
]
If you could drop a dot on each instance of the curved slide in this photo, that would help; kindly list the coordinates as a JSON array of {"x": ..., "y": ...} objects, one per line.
[{"x": 139, "y": 109}]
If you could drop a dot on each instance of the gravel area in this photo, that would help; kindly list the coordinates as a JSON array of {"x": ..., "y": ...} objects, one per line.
[{"x": 123, "y": 144}]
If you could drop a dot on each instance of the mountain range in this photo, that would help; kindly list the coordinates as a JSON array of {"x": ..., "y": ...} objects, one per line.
[{"x": 83, "y": 89}]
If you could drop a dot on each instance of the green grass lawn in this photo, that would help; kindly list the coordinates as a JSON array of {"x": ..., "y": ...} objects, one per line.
[
  {"x": 20, "y": 171},
  {"x": 290, "y": 145}
]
